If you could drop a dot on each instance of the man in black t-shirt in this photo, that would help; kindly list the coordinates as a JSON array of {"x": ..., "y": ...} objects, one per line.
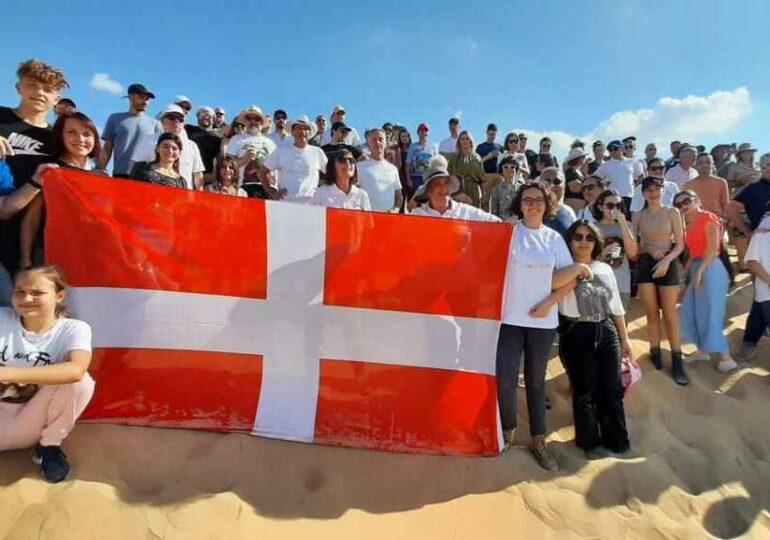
[
  {"x": 208, "y": 142},
  {"x": 26, "y": 139},
  {"x": 337, "y": 144}
]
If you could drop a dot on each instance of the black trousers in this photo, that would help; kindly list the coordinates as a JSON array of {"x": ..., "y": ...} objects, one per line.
[{"x": 591, "y": 353}]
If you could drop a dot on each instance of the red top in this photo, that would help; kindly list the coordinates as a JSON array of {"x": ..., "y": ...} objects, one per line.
[{"x": 695, "y": 235}]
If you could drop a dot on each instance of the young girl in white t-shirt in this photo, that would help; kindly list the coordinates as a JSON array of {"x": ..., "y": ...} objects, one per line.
[{"x": 44, "y": 380}]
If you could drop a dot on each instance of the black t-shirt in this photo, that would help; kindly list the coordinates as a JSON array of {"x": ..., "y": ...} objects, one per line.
[
  {"x": 208, "y": 143},
  {"x": 32, "y": 146},
  {"x": 332, "y": 149}
]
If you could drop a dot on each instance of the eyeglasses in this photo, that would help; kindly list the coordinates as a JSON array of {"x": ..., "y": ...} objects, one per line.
[
  {"x": 611, "y": 205},
  {"x": 588, "y": 187},
  {"x": 686, "y": 201},
  {"x": 588, "y": 237},
  {"x": 345, "y": 159},
  {"x": 531, "y": 201}
]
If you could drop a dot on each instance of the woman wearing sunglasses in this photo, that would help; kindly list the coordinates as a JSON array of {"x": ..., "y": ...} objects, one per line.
[
  {"x": 511, "y": 148},
  {"x": 593, "y": 339},
  {"x": 592, "y": 188},
  {"x": 658, "y": 272},
  {"x": 339, "y": 189},
  {"x": 702, "y": 312},
  {"x": 504, "y": 193},
  {"x": 619, "y": 240}
]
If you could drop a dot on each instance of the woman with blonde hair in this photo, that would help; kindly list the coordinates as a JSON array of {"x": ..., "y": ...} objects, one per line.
[{"x": 467, "y": 164}]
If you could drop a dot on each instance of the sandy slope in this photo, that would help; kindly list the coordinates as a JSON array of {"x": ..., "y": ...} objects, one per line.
[{"x": 703, "y": 469}]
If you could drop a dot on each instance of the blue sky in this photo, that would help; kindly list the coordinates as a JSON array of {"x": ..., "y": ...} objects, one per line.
[{"x": 559, "y": 67}]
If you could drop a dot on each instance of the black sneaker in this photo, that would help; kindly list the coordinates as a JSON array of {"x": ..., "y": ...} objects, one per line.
[{"x": 53, "y": 463}]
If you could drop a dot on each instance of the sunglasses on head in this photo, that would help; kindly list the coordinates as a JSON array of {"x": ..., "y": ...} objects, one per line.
[
  {"x": 684, "y": 201},
  {"x": 587, "y": 237}
]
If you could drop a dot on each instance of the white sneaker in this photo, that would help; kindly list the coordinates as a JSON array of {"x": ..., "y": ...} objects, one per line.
[
  {"x": 726, "y": 365},
  {"x": 697, "y": 356}
]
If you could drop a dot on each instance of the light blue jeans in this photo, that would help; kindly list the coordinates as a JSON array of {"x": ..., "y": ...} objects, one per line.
[{"x": 702, "y": 312}]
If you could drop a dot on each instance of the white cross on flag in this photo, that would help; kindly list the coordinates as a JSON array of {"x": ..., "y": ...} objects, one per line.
[{"x": 295, "y": 322}]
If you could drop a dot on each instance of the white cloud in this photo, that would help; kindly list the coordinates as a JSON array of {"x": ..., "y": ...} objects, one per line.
[
  {"x": 687, "y": 119},
  {"x": 102, "y": 81}
]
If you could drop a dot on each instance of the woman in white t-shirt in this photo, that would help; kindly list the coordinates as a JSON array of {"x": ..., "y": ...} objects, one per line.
[
  {"x": 592, "y": 188},
  {"x": 538, "y": 263},
  {"x": 340, "y": 189},
  {"x": 593, "y": 339},
  {"x": 44, "y": 358}
]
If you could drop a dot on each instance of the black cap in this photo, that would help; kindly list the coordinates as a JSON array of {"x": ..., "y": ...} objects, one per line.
[
  {"x": 340, "y": 126},
  {"x": 454, "y": 121},
  {"x": 598, "y": 143},
  {"x": 491, "y": 127},
  {"x": 631, "y": 138},
  {"x": 67, "y": 100},
  {"x": 280, "y": 111},
  {"x": 137, "y": 88},
  {"x": 387, "y": 125},
  {"x": 651, "y": 181}
]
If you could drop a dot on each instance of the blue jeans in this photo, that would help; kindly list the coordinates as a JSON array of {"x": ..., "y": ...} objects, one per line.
[{"x": 702, "y": 312}]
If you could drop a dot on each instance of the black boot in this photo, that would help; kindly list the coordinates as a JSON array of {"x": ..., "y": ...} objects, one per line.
[
  {"x": 677, "y": 370},
  {"x": 656, "y": 358}
]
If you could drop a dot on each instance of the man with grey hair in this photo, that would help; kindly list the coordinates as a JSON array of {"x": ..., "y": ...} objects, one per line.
[
  {"x": 320, "y": 124},
  {"x": 220, "y": 126},
  {"x": 683, "y": 172},
  {"x": 378, "y": 177},
  {"x": 207, "y": 140}
]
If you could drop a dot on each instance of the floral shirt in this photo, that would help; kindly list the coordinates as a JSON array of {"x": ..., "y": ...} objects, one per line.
[{"x": 501, "y": 199}]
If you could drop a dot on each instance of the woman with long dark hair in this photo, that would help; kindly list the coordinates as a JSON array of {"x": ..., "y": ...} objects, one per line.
[
  {"x": 619, "y": 244},
  {"x": 164, "y": 169},
  {"x": 593, "y": 339}
]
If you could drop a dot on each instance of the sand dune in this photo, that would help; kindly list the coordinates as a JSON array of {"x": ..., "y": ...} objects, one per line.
[{"x": 703, "y": 469}]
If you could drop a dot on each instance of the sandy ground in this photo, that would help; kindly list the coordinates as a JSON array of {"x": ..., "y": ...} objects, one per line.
[{"x": 702, "y": 470}]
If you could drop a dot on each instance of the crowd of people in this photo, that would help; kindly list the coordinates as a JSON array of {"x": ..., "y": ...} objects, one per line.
[{"x": 590, "y": 235}]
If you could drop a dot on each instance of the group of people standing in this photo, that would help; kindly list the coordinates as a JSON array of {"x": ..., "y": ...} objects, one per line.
[{"x": 588, "y": 235}]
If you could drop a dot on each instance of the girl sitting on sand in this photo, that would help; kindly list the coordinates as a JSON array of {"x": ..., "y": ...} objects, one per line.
[{"x": 44, "y": 358}]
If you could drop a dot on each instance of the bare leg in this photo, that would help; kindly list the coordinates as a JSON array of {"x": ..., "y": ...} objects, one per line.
[
  {"x": 668, "y": 298},
  {"x": 649, "y": 298}
]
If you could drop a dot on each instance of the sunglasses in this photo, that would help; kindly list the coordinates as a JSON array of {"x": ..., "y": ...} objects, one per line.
[
  {"x": 345, "y": 159},
  {"x": 554, "y": 182},
  {"x": 657, "y": 168},
  {"x": 686, "y": 201},
  {"x": 588, "y": 237},
  {"x": 530, "y": 201},
  {"x": 612, "y": 205}
]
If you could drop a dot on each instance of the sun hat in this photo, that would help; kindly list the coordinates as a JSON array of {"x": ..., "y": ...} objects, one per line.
[
  {"x": 303, "y": 120},
  {"x": 745, "y": 147},
  {"x": 171, "y": 109},
  {"x": 252, "y": 109},
  {"x": 437, "y": 168},
  {"x": 575, "y": 153}
]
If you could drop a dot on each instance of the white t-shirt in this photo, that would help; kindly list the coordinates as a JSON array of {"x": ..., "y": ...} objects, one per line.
[
  {"x": 599, "y": 296},
  {"x": 21, "y": 348},
  {"x": 759, "y": 250},
  {"x": 334, "y": 197},
  {"x": 278, "y": 141},
  {"x": 448, "y": 146},
  {"x": 679, "y": 176},
  {"x": 299, "y": 168},
  {"x": 190, "y": 160},
  {"x": 379, "y": 178},
  {"x": 619, "y": 175},
  {"x": 532, "y": 257},
  {"x": 456, "y": 210},
  {"x": 585, "y": 214}
]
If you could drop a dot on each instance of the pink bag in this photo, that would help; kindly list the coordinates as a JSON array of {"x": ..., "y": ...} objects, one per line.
[{"x": 630, "y": 373}]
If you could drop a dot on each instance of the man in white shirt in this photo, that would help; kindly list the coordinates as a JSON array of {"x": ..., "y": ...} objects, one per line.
[
  {"x": 191, "y": 166},
  {"x": 299, "y": 165},
  {"x": 683, "y": 172},
  {"x": 618, "y": 172},
  {"x": 281, "y": 134},
  {"x": 338, "y": 115},
  {"x": 250, "y": 145},
  {"x": 448, "y": 146},
  {"x": 379, "y": 178},
  {"x": 640, "y": 164}
]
